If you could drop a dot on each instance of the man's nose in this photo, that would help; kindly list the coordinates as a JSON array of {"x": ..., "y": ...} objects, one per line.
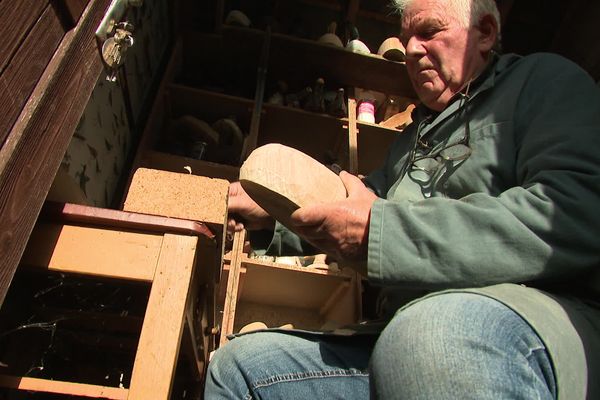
[{"x": 414, "y": 47}]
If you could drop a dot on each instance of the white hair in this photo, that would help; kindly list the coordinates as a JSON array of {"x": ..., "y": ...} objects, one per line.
[{"x": 468, "y": 12}]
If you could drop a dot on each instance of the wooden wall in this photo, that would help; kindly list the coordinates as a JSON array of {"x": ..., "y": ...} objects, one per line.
[{"x": 47, "y": 72}]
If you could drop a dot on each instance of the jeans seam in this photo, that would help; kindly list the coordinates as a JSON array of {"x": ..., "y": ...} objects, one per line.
[
  {"x": 295, "y": 377},
  {"x": 532, "y": 351}
]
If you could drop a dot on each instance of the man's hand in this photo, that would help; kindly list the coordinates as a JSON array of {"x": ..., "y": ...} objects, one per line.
[
  {"x": 341, "y": 228},
  {"x": 244, "y": 212}
]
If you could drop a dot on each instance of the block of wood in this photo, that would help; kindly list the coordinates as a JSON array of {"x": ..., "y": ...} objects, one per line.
[
  {"x": 178, "y": 195},
  {"x": 282, "y": 179}
]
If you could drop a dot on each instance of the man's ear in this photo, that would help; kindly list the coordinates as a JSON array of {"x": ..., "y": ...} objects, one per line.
[{"x": 488, "y": 30}]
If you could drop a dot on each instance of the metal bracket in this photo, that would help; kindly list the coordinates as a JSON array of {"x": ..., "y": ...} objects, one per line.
[{"x": 114, "y": 37}]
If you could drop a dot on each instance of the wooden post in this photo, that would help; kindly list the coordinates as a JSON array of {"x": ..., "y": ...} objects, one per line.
[{"x": 233, "y": 281}]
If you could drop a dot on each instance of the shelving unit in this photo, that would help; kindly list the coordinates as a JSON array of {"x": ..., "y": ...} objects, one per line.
[{"x": 233, "y": 72}]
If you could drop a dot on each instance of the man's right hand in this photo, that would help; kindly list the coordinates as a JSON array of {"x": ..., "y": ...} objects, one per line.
[{"x": 244, "y": 213}]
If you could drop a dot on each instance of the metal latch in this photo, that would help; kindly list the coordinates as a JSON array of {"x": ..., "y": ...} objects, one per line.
[{"x": 114, "y": 36}]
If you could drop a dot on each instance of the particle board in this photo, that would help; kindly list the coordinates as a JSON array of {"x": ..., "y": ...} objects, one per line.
[{"x": 178, "y": 195}]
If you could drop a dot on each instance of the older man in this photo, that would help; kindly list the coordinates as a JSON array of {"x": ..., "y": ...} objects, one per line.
[{"x": 488, "y": 202}]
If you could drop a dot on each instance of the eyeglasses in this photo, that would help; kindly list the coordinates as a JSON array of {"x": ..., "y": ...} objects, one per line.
[
  {"x": 425, "y": 168},
  {"x": 428, "y": 168}
]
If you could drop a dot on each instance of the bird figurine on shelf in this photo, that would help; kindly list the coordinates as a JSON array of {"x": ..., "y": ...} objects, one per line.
[
  {"x": 338, "y": 107},
  {"x": 315, "y": 102},
  {"x": 330, "y": 37},
  {"x": 354, "y": 44}
]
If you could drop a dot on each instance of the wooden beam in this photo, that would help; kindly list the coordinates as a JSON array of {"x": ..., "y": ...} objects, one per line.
[
  {"x": 93, "y": 251},
  {"x": 158, "y": 349},
  {"x": 36, "y": 145},
  {"x": 61, "y": 387},
  {"x": 352, "y": 137}
]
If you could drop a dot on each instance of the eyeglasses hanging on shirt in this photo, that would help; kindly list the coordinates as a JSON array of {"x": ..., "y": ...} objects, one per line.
[{"x": 425, "y": 165}]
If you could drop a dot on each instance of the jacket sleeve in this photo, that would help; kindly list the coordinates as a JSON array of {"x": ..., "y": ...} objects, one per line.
[{"x": 545, "y": 228}]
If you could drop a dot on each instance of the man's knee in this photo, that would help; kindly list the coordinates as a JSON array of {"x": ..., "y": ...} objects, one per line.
[
  {"x": 462, "y": 342},
  {"x": 435, "y": 327}
]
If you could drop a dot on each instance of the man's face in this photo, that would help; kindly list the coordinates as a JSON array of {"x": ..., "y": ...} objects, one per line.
[{"x": 442, "y": 55}]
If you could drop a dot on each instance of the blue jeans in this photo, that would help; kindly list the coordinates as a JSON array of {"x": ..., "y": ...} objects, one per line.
[{"x": 450, "y": 346}]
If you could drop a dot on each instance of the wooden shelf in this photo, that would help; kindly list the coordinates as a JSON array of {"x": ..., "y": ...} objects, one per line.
[
  {"x": 298, "y": 60},
  {"x": 313, "y": 59},
  {"x": 207, "y": 105},
  {"x": 321, "y": 136}
]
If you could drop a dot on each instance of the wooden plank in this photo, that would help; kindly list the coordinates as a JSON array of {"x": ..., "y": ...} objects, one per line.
[
  {"x": 71, "y": 10},
  {"x": 16, "y": 20},
  {"x": 93, "y": 251},
  {"x": 117, "y": 219},
  {"x": 158, "y": 349},
  {"x": 290, "y": 287},
  {"x": 34, "y": 149},
  {"x": 247, "y": 261},
  {"x": 336, "y": 65},
  {"x": 261, "y": 77},
  {"x": 61, "y": 387},
  {"x": 23, "y": 70},
  {"x": 233, "y": 280},
  {"x": 344, "y": 306},
  {"x": 334, "y": 298},
  {"x": 352, "y": 137}
]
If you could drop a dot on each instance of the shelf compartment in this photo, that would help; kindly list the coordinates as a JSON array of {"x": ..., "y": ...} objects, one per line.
[
  {"x": 307, "y": 298},
  {"x": 373, "y": 144},
  {"x": 321, "y": 136}
]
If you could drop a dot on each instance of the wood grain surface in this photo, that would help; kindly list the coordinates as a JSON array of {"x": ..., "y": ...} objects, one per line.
[
  {"x": 35, "y": 146},
  {"x": 282, "y": 179}
]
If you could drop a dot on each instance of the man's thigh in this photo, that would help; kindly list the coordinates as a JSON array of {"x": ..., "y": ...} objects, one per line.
[{"x": 278, "y": 365}]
